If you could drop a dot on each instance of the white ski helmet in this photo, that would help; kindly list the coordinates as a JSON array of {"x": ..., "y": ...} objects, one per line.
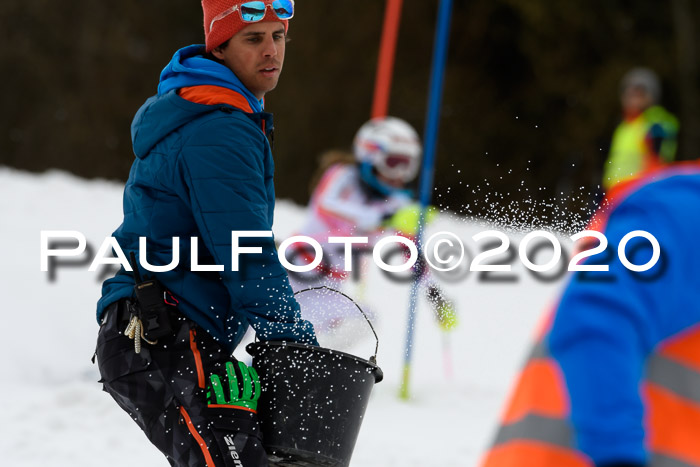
[{"x": 391, "y": 146}]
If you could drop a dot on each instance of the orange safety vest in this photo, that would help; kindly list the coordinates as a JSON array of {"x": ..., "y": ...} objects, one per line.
[{"x": 536, "y": 431}]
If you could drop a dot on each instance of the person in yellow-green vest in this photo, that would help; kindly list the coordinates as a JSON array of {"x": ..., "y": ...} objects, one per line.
[{"x": 646, "y": 138}]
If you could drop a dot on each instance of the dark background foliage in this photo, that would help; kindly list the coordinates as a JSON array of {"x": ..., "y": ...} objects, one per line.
[{"x": 531, "y": 95}]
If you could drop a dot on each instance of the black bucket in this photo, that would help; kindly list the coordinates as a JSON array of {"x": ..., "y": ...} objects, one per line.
[{"x": 313, "y": 401}]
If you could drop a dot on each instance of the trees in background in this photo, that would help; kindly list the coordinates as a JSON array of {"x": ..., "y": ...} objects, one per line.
[{"x": 531, "y": 94}]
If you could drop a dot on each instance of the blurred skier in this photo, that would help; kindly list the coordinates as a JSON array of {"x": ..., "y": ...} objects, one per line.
[
  {"x": 367, "y": 193},
  {"x": 614, "y": 378},
  {"x": 646, "y": 138}
]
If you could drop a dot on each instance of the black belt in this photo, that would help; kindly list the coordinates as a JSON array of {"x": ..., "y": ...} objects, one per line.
[{"x": 117, "y": 313}]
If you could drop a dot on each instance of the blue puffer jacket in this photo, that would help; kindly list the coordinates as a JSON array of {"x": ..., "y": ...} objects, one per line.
[{"x": 204, "y": 171}]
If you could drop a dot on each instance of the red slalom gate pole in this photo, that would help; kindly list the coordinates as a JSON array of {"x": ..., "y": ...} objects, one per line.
[{"x": 387, "y": 53}]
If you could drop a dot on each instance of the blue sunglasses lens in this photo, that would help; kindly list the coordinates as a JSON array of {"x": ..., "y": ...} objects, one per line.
[
  {"x": 283, "y": 8},
  {"x": 253, "y": 11}
]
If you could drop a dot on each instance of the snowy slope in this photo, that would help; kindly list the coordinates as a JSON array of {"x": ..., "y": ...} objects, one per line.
[{"x": 56, "y": 415}]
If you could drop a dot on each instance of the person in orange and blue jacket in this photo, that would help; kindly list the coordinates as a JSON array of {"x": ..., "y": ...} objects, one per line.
[
  {"x": 203, "y": 169},
  {"x": 614, "y": 379}
]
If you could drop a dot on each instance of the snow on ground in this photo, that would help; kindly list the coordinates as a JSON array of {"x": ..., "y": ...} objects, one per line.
[{"x": 56, "y": 415}]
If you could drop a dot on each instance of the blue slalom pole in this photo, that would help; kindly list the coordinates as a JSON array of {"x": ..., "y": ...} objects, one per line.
[{"x": 442, "y": 39}]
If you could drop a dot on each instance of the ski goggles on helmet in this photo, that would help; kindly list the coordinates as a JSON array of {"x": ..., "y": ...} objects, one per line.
[
  {"x": 398, "y": 166},
  {"x": 252, "y": 12}
]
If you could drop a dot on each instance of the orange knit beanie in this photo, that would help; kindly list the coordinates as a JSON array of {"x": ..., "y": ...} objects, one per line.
[{"x": 225, "y": 28}]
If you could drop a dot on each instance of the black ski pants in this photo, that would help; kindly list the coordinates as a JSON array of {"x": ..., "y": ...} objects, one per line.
[{"x": 163, "y": 389}]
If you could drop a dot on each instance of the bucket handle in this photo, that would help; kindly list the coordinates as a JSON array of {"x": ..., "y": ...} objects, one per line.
[{"x": 372, "y": 359}]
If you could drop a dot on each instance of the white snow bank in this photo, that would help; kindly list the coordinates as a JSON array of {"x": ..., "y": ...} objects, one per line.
[{"x": 55, "y": 413}]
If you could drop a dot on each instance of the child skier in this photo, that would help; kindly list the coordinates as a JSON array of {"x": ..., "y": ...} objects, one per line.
[{"x": 364, "y": 194}]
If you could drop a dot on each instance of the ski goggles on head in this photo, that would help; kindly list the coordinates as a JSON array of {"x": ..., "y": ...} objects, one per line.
[{"x": 252, "y": 12}]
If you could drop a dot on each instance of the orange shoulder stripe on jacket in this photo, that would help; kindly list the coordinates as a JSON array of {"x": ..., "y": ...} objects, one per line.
[{"x": 214, "y": 95}]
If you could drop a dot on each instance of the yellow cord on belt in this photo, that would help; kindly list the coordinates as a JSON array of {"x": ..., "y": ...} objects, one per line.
[{"x": 135, "y": 332}]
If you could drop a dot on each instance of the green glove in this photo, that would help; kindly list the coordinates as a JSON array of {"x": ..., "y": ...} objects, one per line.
[
  {"x": 405, "y": 220},
  {"x": 248, "y": 399}
]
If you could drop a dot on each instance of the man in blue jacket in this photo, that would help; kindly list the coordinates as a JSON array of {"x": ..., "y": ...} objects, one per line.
[{"x": 203, "y": 170}]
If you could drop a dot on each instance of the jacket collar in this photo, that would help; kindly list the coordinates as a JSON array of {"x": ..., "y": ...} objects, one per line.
[{"x": 215, "y": 95}]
